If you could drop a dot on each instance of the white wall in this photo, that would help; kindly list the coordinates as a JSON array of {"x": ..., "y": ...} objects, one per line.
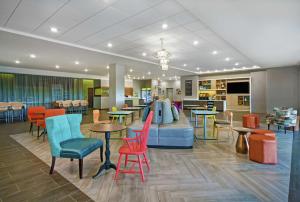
[{"x": 282, "y": 87}]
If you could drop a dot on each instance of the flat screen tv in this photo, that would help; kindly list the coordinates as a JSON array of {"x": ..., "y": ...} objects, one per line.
[{"x": 238, "y": 88}]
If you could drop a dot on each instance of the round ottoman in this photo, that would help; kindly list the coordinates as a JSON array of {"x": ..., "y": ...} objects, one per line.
[
  {"x": 263, "y": 132},
  {"x": 263, "y": 149}
]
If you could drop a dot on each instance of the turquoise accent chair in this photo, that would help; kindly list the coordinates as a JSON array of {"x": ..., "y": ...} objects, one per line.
[{"x": 67, "y": 141}]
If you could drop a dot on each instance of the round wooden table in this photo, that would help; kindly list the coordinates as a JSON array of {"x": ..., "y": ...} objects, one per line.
[
  {"x": 107, "y": 129},
  {"x": 242, "y": 145}
]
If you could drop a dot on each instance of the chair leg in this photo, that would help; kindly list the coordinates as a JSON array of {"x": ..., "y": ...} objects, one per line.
[
  {"x": 71, "y": 159},
  {"x": 268, "y": 126},
  {"x": 101, "y": 153},
  {"x": 126, "y": 160},
  {"x": 293, "y": 129},
  {"x": 30, "y": 128},
  {"x": 146, "y": 161},
  {"x": 52, "y": 165},
  {"x": 44, "y": 134},
  {"x": 141, "y": 168},
  {"x": 118, "y": 167},
  {"x": 80, "y": 168},
  {"x": 38, "y": 132}
]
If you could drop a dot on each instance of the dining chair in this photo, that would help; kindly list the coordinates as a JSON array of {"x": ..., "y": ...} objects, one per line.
[
  {"x": 17, "y": 110},
  {"x": 41, "y": 123},
  {"x": 96, "y": 117},
  {"x": 4, "y": 110},
  {"x": 225, "y": 124},
  {"x": 35, "y": 113},
  {"x": 136, "y": 146},
  {"x": 67, "y": 141}
]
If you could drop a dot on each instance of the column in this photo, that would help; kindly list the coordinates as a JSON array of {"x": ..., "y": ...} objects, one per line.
[{"x": 116, "y": 85}]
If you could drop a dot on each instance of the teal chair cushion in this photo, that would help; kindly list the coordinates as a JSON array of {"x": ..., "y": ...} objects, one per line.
[
  {"x": 78, "y": 148},
  {"x": 175, "y": 113},
  {"x": 146, "y": 113},
  {"x": 167, "y": 115}
]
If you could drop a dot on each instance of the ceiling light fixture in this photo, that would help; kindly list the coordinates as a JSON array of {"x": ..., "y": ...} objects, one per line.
[
  {"x": 107, "y": 67},
  {"x": 109, "y": 45},
  {"x": 143, "y": 77},
  {"x": 149, "y": 73},
  {"x": 164, "y": 26},
  {"x": 131, "y": 70},
  {"x": 54, "y": 29},
  {"x": 57, "y": 66},
  {"x": 236, "y": 64},
  {"x": 198, "y": 68},
  {"x": 144, "y": 54},
  {"x": 163, "y": 56},
  {"x": 32, "y": 55},
  {"x": 17, "y": 61},
  {"x": 184, "y": 65},
  {"x": 227, "y": 59},
  {"x": 195, "y": 43},
  {"x": 214, "y": 52},
  {"x": 163, "y": 75},
  {"x": 86, "y": 70},
  {"x": 76, "y": 62}
]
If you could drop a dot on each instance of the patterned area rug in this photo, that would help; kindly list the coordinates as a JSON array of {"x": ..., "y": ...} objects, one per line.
[{"x": 211, "y": 171}]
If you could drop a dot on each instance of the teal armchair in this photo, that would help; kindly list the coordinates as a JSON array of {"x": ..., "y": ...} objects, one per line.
[{"x": 67, "y": 141}]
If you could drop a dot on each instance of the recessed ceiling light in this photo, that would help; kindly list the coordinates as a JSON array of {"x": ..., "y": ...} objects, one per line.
[
  {"x": 134, "y": 77},
  {"x": 195, "y": 43},
  {"x": 198, "y": 68},
  {"x": 57, "y": 66},
  {"x": 76, "y": 62},
  {"x": 107, "y": 67},
  {"x": 216, "y": 70},
  {"x": 143, "y": 77},
  {"x": 163, "y": 75},
  {"x": 86, "y": 70},
  {"x": 233, "y": 68},
  {"x": 17, "y": 61},
  {"x": 164, "y": 26},
  {"x": 214, "y": 52},
  {"x": 255, "y": 66},
  {"x": 244, "y": 67},
  {"x": 158, "y": 78},
  {"x": 32, "y": 55},
  {"x": 109, "y": 45},
  {"x": 144, "y": 54},
  {"x": 227, "y": 59},
  {"x": 184, "y": 65},
  {"x": 149, "y": 73},
  {"x": 54, "y": 29},
  {"x": 131, "y": 70},
  {"x": 236, "y": 64}
]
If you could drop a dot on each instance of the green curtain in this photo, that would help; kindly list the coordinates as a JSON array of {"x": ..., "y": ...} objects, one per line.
[{"x": 39, "y": 90}]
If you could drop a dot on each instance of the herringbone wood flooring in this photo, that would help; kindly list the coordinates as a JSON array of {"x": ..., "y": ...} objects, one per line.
[{"x": 211, "y": 171}]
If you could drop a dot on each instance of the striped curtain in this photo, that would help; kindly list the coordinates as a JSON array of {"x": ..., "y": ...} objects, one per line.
[{"x": 38, "y": 90}]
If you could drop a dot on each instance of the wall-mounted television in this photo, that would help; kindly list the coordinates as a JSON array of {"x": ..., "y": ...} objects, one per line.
[{"x": 238, "y": 88}]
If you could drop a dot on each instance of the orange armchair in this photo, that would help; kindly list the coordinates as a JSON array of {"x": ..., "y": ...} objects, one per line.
[
  {"x": 35, "y": 113},
  {"x": 42, "y": 122}
]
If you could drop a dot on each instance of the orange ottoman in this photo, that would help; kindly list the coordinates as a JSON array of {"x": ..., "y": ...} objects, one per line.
[
  {"x": 250, "y": 121},
  {"x": 263, "y": 149},
  {"x": 263, "y": 132}
]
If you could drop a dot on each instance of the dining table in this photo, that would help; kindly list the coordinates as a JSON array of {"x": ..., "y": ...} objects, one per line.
[
  {"x": 106, "y": 129},
  {"x": 121, "y": 113},
  {"x": 139, "y": 109},
  {"x": 204, "y": 114}
]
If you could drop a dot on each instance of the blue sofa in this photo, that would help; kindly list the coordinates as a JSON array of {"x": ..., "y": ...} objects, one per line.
[{"x": 178, "y": 134}]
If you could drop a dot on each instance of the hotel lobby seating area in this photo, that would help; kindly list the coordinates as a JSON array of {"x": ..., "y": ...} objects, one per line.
[{"x": 149, "y": 101}]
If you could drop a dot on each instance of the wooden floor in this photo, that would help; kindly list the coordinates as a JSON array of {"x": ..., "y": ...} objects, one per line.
[{"x": 211, "y": 171}]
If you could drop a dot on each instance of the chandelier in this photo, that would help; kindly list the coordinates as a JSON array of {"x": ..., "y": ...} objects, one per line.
[{"x": 163, "y": 56}]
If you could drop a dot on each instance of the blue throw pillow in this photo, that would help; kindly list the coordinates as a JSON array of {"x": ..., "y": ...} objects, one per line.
[
  {"x": 167, "y": 115},
  {"x": 146, "y": 113},
  {"x": 175, "y": 113}
]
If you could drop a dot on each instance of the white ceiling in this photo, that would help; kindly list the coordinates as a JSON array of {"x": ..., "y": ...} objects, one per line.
[{"x": 256, "y": 32}]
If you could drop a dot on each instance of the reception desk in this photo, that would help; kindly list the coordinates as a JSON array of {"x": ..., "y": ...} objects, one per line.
[{"x": 220, "y": 104}]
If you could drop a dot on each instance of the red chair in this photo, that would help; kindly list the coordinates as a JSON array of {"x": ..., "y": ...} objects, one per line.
[
  {"x": 42, "y": 122},
  {"x": 136, "y": 146},
  {"x": 35, "y": 113}
]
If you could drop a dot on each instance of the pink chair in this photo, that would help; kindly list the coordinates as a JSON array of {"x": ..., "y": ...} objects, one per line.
[{"x": 136, "y": 146}]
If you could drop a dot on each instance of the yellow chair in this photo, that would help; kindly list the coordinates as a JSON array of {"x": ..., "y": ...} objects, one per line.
[
  {"x": 212, "y": 117},
  {"x": 115, "y": 118}
]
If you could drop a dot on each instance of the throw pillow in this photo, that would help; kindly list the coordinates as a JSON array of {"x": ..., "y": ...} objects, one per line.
[
  {"x": 146, "y": 113},
  {"x": 175, "y": 113}
]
